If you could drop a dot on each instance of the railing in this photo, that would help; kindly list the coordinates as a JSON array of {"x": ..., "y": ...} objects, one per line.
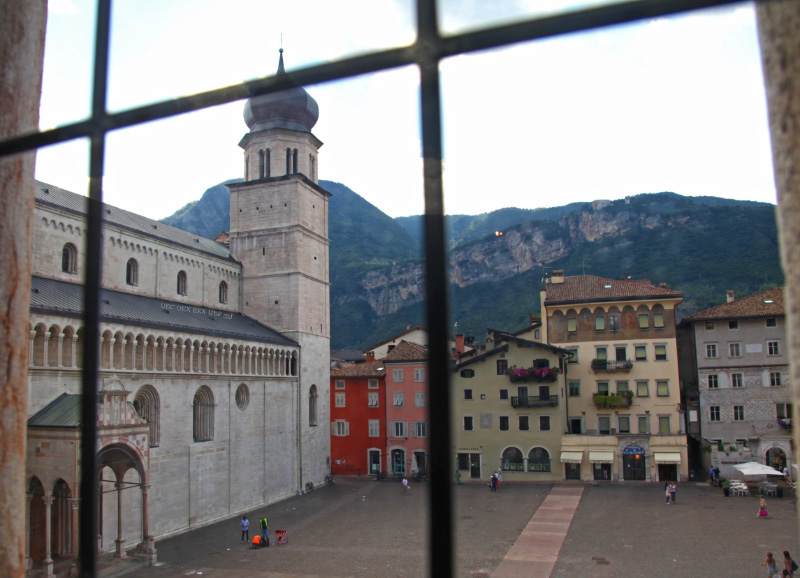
[
  {"x": 611, "y": 366},
  {"x": 532, "y": 377},
  {"x": 534, "y": 401}
]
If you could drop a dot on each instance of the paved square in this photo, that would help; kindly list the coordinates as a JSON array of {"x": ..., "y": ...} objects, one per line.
[{"x": 360, "y": 527}]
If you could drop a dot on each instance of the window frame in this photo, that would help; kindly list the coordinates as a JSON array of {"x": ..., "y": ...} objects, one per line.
[
  {"x": 545, "y": 419},
  {"x": 660, "y": 356},
  {"x": 642, "y": 385},
  {"x": 775, "y": 379},
  {"x": 739, "y": 413},
  {"x": 398, "y": 399},
  {"x": 734, "y": 349},
  {"x": 431, "y": 49},
  {"x": 637, "y": 349},
  {"x": 524, "y": 423},
  {"x": 714, "y": 413},
  {"x": 577, "y": 388},
  {"x": 373, "y": 428},
  {"x": 419, "y": 399},
  {"x": 659, "y": 384},
  {"x": 132, "y": 273},
  {"x": 398, "y": 429},
  {"x": 712, "y": 381},
  {"x": 711, "y": 351},
  {"x": 572, "y": 325},
  {"x": 503, "y": 423},
  {"x": 339, "y": 384},
  {"x": 339, "y": 399},
  {"x": 773, "y": 348},
  {"x": 419, "y": 375},
  {"x": 468, "y": 423},
  {"x": 737, "y": 380},
  {"x": 658, "y": 320},
  {"x": 398, "y": 375},
  {"x": 502, "y": 366},
  {"x": 643, "y": 321},
  {"x": 468, "y": 394},
  {"x": 372, "y": 384},
  {"x": 373, "y": 396}
]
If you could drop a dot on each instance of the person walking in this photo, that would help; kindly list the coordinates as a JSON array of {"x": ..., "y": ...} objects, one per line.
[
  {"x": 245, "y": 524},
  {"x": 493, "y": 484},
  {"x": 762, "y": 508},
  {"x": 713, "y": 477},
  {"x": 499, "y": 477},
  {"x": 772, "y": 566},
  {"x": 264, "y": 524},
  {"x": 673, "y": 490},
  {"x": 790, "y": 566},
  {"x": 405, "y": 485},
  {"x": 667, "y": 492}
]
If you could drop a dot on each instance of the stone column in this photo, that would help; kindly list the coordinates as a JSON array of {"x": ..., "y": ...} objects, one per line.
[
  {"x": 74, "y": 348},
  {"x": 28, "y": 500},
  {"x": 76, "y": 508},
  {"x": 120, "y": 551},
  {"x": 47, "y": 563},
  {"x": 46, "y": 352},
  {"x": 779, "y": 29},
  {"x": 148, "y": 545},
  {"x": 22, "y": 28},
  {"x": 60, "y": 360}
]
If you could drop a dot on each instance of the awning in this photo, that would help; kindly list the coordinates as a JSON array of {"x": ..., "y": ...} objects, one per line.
[
  {"x": 572, "y": 457},
  {"x": 667, "y": 457},
  {"x": 601, "y": 457}
]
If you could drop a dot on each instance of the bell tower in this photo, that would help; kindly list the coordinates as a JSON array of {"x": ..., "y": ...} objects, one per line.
[{"x": 279, "y": 232}]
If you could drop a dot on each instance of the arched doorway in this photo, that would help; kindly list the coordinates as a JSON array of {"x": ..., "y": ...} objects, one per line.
[
  {"x": 37, "y": 521},
  {"x": 633, "y": 468},
  {"x": 61, "y": 521},
  {"x": 120, "y": 475},
  {"x": 776, "y": 458}
]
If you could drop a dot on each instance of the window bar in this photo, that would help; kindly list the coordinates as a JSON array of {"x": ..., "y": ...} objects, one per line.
[
  {"x": 526, "y": 30},
  {"x": 87, "y": 523},
  {"x": 440, "y": 538},
  {"x": 429, "y": 49}
]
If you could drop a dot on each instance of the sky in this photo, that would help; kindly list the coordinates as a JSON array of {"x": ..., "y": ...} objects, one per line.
[{"x": 673, "y": 104}]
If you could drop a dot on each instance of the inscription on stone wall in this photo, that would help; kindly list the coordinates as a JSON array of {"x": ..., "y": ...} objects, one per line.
[{"x": 197, "y": 310}]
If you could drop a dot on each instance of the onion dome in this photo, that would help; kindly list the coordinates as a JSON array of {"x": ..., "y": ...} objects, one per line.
[{"x": 292, "y": 109}]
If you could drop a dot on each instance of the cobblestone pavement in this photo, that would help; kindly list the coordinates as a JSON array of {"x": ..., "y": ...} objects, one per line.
[{"x": 360, "y": 527}]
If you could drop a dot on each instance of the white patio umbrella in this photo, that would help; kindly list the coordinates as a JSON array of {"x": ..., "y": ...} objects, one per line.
[{"x": 757, "y": 470}]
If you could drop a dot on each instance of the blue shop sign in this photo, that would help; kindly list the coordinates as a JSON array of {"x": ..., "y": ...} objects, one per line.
[{"x": 632, "y": 451}]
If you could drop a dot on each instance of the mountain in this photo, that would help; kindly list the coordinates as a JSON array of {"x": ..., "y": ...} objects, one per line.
[{"x": 701, "y": 246}]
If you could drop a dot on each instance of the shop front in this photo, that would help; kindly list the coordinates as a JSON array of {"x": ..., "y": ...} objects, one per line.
[
  {"x": 668, "y": 464},
  {"x": 633, "y": 464},
  {"x": 572, "y": 464},
  {"x": 601, "y": 465}
]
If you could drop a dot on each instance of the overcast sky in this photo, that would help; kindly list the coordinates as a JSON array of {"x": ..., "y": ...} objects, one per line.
[{"x": 672, "y": 104}]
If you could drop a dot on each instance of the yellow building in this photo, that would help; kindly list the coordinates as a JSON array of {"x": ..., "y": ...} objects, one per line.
[
  {"x": 623, "y": 412},
  {"x": 509, "y": 410}
]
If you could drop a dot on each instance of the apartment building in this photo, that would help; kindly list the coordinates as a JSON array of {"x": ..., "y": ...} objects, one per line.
[{"x": 624, "y": 418}]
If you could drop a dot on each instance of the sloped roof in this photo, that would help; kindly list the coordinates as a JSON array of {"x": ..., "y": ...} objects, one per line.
[
  {"x": 395, "y": 337},
  {"x": 64, "y": 411},
  {"x": 373, "y": 368},
  {"x": 407, "y": 351},
  {"x": 50, "y": 195},
  {"x": 766, "y": 303},
  {"x": 61, "y": 298},
  {"x": 588, "y": 288}
]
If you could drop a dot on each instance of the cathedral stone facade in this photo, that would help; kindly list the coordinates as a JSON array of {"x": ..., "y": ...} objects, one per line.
[{"x": 214, "y": 358}]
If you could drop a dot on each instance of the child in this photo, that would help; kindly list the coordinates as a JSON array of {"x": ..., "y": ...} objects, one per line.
[{"x": 762, "y": 509}]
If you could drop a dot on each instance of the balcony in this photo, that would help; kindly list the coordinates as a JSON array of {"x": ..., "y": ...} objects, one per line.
[
  {"x": 599, "y": 365},
  {"x": 785, "y": 423},
  {"x": 612, "y": 401},
  {"x": 535, "y": 375},
  {"x": 534, "y": 401}
]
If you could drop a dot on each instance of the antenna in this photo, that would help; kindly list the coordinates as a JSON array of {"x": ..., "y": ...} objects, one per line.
[
  {"x": 281, "y": 40},
  {"x": 584, "y": 266}
]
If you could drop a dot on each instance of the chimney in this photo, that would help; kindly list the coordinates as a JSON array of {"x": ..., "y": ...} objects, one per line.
[
  {"x": 370, "y": 356},
  {"x": 556, "y": 276},
  {"x": 460, "y": 343},
  {"x": 662, "y": 285},
  {"x": 730, "y": 296}
]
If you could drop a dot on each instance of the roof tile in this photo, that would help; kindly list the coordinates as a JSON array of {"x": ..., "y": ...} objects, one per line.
[
  {"x": 590, "y": 288},
  {"x": 766, "y": 303}
]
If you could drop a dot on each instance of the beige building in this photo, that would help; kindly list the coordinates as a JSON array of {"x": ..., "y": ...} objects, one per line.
[
  {"x": 508, "y": 404},
  {"x": 624, "y": 420},
  {"x": 214, "y": 358}
]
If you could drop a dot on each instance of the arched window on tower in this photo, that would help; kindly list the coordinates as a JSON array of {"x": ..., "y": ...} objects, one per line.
[
  {"x": 223, "y": 292},
  {"x": 260, "y": 164},
  {"x": 288, "y": 161},
  {"x": 294, "y": 162},
  {"x": 132, "y": 272},
  {"x": 312, "y": 405},
  {"x": 182, "y": 283},
  {"x": 267, "y": 162},
  {"x": 147, "y": 405},
  {"x": 203, "y": 414},
  {"x": 246, "y": 167},
  {"x": 69, "y": 259}
]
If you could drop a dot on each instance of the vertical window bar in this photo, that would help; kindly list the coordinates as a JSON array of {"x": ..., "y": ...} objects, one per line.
[
  {"x": 440, "y": 547},
  {"x": 88, "y": 507}
]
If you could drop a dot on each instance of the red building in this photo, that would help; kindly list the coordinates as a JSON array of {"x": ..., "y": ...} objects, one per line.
[
  {"x": 406, "y": 368},
  {"x": 358, "y": 418}
]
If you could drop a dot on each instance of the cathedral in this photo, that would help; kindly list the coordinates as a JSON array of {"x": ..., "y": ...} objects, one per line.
[{"x": 214, "y": 355}]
